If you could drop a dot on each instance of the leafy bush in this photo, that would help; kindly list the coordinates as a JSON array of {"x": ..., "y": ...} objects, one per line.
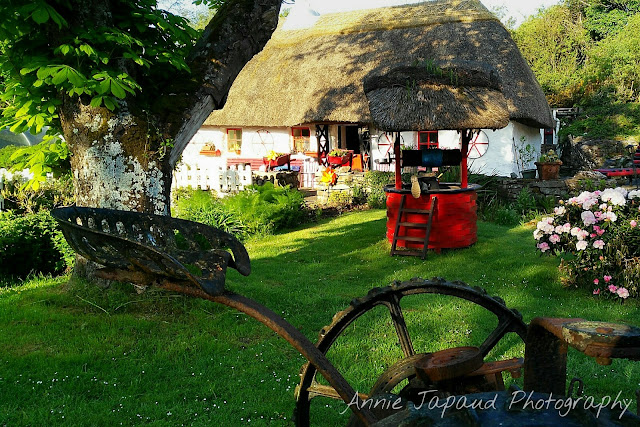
[
  {"x": 202, "y": 206},
  {"x": 267, "y": 208},
  {"x": 605, "y": 120},
  {"x": 340, "y": 198},
  {"x": 525, "y": 202},
  {"x": 600, "y": 235},
  {"x": 256, "y": 210},
  {"x": 50, "y": 194},
  {"x": 32, "y": 243},
  {"x": 375, "y": 182}
]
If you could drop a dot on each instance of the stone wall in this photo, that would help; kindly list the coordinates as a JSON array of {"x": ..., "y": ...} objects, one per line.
[
  {"x": 281, "y": 178},
  {"x": 509, "y": 188},
  {"x": 342, "y": 191},
  {"x": 579, "y": 154}
]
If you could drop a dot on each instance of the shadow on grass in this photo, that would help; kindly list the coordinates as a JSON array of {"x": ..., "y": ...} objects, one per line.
[{"x": 165, "y": 348}]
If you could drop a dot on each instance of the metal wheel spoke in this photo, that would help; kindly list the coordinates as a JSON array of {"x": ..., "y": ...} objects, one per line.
[
  {"x": 504, "y": 326},
  {"x": 401, "y": 326}
]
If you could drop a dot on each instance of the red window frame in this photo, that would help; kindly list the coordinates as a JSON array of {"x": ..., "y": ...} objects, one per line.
[
  {"x": 301, "y": 141},
  {"x": 432, "y": 139}
]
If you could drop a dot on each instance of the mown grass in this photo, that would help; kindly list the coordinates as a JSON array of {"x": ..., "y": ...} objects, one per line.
[{"x": 75, "y": 354}]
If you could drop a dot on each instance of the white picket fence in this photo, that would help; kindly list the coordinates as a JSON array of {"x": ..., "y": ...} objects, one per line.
[
  {"x": 220, "y": 178},
  {"x": 308, "y": 173}
]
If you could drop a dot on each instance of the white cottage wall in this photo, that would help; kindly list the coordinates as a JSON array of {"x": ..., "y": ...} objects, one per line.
[
  {"x": 524, "y": 134},
  {"x": 256, "y": 142},
  {"x": 499, "y": 160}
]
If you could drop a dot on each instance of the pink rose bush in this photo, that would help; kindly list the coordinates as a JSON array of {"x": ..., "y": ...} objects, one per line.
[{"x": 597, "y": 236}]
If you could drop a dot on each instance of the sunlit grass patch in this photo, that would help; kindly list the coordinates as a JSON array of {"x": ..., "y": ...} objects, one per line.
[{"x": 105, "y": 357}]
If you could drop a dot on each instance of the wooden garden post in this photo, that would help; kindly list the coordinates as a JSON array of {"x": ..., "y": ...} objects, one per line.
[
  {"x": 466, "y": 138},
  {"x": 396, "y": 153}
]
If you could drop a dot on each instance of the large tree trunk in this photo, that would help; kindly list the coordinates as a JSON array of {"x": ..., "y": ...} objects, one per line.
[{"x": 118, "y": 162}]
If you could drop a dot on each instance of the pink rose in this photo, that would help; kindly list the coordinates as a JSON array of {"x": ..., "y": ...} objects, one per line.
[
  {"x": 612, "y": 288},
  {"x": 607, "y": 279},
  {"x": 596, "y": 291},
  {"x": 623, "y": 293},
  {"x": 598, "y": 244},
  {"x": 544, "y": 246},
  {"x": 633, "y": 223},
  {"x": 596, "y": 281}
]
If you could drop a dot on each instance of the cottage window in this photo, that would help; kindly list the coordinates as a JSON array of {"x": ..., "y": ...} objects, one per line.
[
  {"x": 428, "y": 139},
  {"x": 234, "y": 140},
  {"x": 301, "y": 139}
]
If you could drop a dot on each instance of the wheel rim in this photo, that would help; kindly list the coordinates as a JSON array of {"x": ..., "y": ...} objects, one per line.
[{"x": 509, "y": 321}]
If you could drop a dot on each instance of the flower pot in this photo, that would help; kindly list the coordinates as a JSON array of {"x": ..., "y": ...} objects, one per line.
[
  {"x": 278, "y": 161},
  {"x": 214, "y": 153},
  {"x": 529, "y": 174},
  {"x": 338, "y": 160},
  {"x": 547, "y": 171}
]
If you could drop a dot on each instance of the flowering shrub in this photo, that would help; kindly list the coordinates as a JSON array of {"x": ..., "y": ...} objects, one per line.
[{"x": 598, "y": 236}]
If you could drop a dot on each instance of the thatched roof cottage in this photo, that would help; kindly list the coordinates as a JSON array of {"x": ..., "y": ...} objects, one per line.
[{"x": 304, "y": 91}]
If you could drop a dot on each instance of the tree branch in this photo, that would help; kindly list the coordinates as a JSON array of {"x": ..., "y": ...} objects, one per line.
[{"x": 238, "y": 31}]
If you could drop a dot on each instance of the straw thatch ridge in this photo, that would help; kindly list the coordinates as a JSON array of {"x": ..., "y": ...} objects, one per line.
[
  {"x": 450, "y": 73},
  {"x": 316, "y": 75},
  {"x": 458, "y": 95}
]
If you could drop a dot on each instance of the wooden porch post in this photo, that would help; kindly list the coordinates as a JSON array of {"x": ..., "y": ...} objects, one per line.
[
  {"x": 396, "y": 152},
  {"x": 466, "y": 138},
  {"x": 322, "y": 135}
]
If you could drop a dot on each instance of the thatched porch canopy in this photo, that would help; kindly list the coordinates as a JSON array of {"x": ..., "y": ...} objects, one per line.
[
  {"x": 316, "y": 74},
  {"x": 437, "y": 96}
]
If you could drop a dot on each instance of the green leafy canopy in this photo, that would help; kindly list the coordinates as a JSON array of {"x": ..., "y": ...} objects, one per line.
[{"x": 52, "y": 49}]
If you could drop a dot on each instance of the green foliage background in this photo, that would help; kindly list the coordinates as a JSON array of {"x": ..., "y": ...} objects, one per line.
[{"x": 586, "y": 53}]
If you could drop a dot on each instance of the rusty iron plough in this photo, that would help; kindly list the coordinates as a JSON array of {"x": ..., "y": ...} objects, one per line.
[{"x": 191, "y": 258}]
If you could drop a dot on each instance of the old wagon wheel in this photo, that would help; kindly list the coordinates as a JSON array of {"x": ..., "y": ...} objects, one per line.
[
  {"x": 384, "y": 147},
  {"x": 478, "y": 145},
  {"x": 390, "y": 297}
]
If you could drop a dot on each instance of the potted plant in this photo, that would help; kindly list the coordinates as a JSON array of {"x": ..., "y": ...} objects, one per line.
[
  {"x": 525, "y": 154},
  {"x": 548, "y": 166},
  {"x": 210, "y": 150},
  {"x": 338, "y": 157}
]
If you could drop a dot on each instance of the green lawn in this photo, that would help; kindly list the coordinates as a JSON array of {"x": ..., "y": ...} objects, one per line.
[{"x": 74, "y": 354}]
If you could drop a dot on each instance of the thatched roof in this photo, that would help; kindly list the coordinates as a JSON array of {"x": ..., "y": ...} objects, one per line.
[
  {"x": 316, "y": 74},
  {"x": 437, "y": 96}
]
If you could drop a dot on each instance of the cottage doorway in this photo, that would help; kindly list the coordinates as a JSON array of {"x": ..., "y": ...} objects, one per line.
[{"x": 352, "y": 139}]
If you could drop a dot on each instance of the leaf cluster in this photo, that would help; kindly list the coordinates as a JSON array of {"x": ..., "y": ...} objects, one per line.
[
  {"x": 255, "y": 210},
  {"x": 48, "y": 157},
  {"x": 584, "y": 51},
  {"x": 56, "y": 50}
]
